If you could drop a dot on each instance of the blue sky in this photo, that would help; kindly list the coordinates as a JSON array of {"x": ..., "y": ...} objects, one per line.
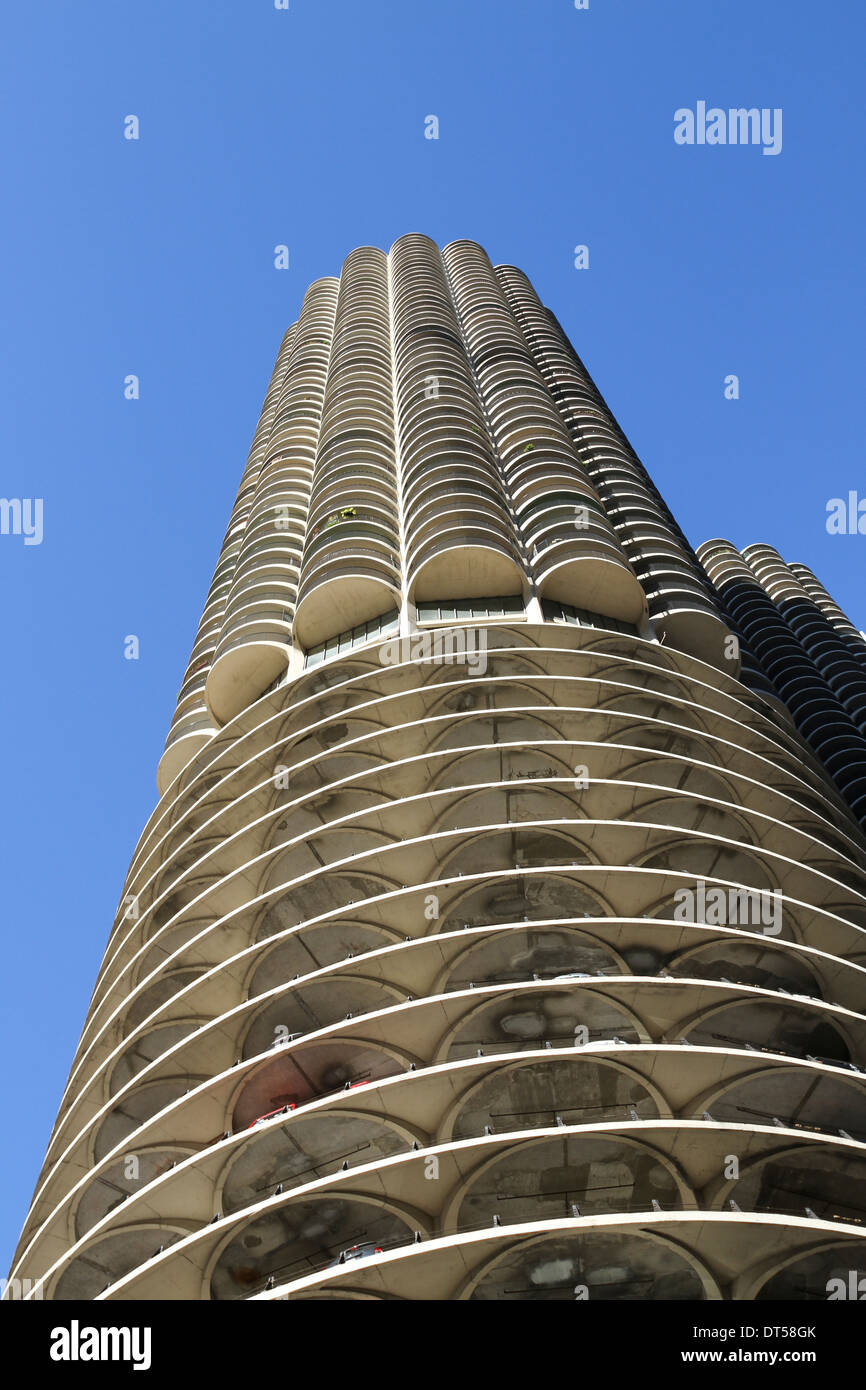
[{"x": 305, "y": 127}]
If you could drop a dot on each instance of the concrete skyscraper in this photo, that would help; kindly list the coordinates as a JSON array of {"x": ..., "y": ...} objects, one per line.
[{"x": 500, "y": 931}]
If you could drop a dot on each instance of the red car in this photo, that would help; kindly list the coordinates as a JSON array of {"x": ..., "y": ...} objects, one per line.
[{"x": 282, "y": 1110}]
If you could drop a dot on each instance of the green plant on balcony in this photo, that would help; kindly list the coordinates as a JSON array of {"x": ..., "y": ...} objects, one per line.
[{"x": 343, "y": 515}]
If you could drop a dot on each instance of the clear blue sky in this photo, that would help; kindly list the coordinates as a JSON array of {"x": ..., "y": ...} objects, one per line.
[{"x": 306, "y": 127}]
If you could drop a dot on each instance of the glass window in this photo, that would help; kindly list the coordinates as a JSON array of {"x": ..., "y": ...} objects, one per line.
[
  {"x": 581, "y": 617},
  {"x": 461, "y": 609},
  {"x": 353, "y": 637}
]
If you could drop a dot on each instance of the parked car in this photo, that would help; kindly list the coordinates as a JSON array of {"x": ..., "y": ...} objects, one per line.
[
  {"x": 356, "y": 1252},
  {"x": 281, "y": 1110}
]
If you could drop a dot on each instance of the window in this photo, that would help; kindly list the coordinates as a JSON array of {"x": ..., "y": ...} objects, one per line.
[
  {"x": 353, "y": 637},
  {"x": 581, "y": 617},
  {"x": 455, "y": 610}
]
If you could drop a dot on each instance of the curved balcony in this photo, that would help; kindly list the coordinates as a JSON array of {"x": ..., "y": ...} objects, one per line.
[
  {"x": 472, "y": 563},
  {"x": 583, "y": 568},
  {"x": 257, "y": 656},
  {"x": 347, "y": 582},
  {"x": 694, "y": 629},
  {"x": 187, "y": 736}
]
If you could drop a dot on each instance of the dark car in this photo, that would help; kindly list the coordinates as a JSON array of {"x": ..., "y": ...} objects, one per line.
[{"x": 356, "y": 1252}]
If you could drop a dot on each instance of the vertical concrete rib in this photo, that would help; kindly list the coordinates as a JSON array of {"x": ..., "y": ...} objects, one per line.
[
  {"x": 460, "y": 535},
  {"x": 852, "y": 637},
  {"x": 831, "y": 653},
  {"x": 745, "y": 582},
  {"x": 351, "y": 564},
  {"x": 256, "y": 633},
  {"x": 193, "y": 724},
  {"x": 573, "y": 553},
  {"x": 681, "y": 603}
]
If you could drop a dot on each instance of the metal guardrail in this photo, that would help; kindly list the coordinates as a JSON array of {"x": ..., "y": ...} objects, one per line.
[{"x": 315, "y": 1264}]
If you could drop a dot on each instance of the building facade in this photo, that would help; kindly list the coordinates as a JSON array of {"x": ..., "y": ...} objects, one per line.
[{"x": 500, "y": 931}]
